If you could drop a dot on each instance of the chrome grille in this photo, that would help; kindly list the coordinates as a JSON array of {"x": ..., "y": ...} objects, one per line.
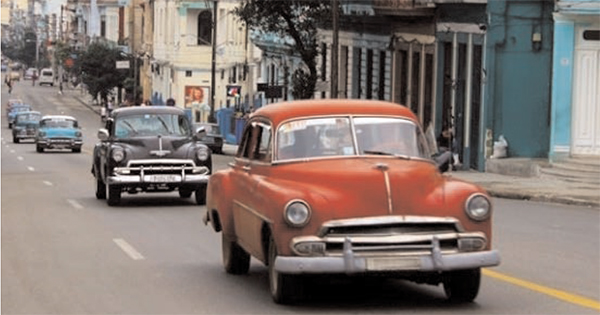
[
  {"x": 391, "y": 238},
  {"x": 155, "y": 167}
]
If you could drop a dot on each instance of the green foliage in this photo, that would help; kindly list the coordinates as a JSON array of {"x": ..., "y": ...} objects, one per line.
[
  {"x": 99, "y": 71},
  {"x": 295, "y": 19}
]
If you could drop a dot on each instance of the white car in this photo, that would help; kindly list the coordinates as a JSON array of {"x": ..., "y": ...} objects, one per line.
[{"x": 47, "y": 77}]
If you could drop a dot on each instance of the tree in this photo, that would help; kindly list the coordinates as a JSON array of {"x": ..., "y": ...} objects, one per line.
[
  {"x": 295, "y": 19},
  {"x": 99, "y": 71}
]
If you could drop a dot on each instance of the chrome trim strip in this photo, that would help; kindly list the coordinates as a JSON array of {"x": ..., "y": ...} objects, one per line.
[{"x": 392, "y": 219}]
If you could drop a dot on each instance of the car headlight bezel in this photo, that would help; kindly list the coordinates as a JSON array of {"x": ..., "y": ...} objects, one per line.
[
  {"x": 202, "y": 153},
  {"x": 117, "y": 154},
  {"x": 297, "y": 213},
  {"x": 478, "y": 207}
]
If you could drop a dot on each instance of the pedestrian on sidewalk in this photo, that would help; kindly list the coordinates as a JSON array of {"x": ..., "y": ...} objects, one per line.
[
  {"x": 33, "y": 78},
  {"x": 8, "y": 82},
  {"x": 60, "y": 88}
]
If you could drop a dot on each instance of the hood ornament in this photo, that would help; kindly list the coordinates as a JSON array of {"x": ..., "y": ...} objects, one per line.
[{"x": 160, "y": 152}]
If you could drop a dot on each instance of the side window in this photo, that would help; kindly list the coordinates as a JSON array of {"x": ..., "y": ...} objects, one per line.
[
  {"x": 264, "y": 144},
  {"x": 244, "y": 148}
]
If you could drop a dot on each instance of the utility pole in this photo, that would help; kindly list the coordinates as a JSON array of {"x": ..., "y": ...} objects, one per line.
[
  {"x": 133, "y": 53},
  {"x": 334, "y": 49},
  {"x": 211, "y": 117}
]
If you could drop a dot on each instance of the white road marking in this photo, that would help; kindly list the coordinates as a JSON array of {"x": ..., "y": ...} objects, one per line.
[
  {"x": 48, "y": 183},
  {"x": 75, "y": 204},
  {"x": 12, "y": 151},
  {"x": 128, "y": 249},
  {"x": 20, "y": 158},
  {"x": 31, "y": 168}
]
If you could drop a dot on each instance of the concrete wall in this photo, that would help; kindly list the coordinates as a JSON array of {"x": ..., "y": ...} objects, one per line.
[{"x": 519, "y": 74}]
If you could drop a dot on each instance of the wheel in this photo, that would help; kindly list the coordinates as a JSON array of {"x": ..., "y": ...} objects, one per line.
[
  {"x": 113, "y": 195},
  {"x": 235, "y": 259},
  {"x": 284, "y": 288},
  {"x": 462, "y": 286},
  {"x": 15, "y": 139},
  {"x": 185, "y": 193},
  {"x": 100, "y": 189},
  {"x": 76, "y": 150},
  {"x": 39, "y": 149},
  {"x": 9, "y": 126},
  {"x": 201, "y": 195}
]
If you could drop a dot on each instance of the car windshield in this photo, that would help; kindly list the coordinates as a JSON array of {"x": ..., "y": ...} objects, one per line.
[
  {"x": 28, "y": 117},
  {"x": 148, "y": 125},
  {"x": 58, "y": 123},
  {"x": 21, "y": 108},
  {"x": 346, "y": 136}
]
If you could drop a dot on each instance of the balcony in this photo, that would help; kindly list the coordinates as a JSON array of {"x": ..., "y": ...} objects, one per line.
[{"x": 404, "y": 7}]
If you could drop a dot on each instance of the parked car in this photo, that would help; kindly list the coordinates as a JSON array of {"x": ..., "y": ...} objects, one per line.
[
  {"x": 30, "y": 73},
  {"x": 213, "y": 138},
  {"x": 11, "y": 102},
  {"x": 59, "y": 132},
  {"x": 347, "y": 187},
  {"x": 16, "y": 108},
  {"x": 3, "y": 67},
  {"x": 46, "y": 77},
  {"x": 26, "y": 125},
  {"x": 150, "y": 149}
]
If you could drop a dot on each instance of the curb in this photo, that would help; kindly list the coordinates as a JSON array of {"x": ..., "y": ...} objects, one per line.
[{"x": 542, "y": 198}]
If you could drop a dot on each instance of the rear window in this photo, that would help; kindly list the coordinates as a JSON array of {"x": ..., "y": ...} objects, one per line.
[{"x": 48, "y": 73}]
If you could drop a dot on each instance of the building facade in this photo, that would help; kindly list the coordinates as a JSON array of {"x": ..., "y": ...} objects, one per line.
[{"x": 575, "y": 116}]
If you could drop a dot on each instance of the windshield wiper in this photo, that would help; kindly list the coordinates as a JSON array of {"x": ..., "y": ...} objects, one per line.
[
  {"x": 164, "y": 124},
  {"x": 401, "y": 156},
  {"x": 130, "y": 127}
]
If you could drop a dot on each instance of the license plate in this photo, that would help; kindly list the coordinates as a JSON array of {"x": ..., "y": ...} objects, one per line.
[
  {"x": 162, "y": 178},
  {"x": 393, "y": 263}
]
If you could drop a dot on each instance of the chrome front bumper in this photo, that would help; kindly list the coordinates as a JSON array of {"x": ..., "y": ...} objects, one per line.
[
  {"x": 349, "y": 263},
  {"x": 160, "y": 171},
  {"x": 66, "y": 143}
]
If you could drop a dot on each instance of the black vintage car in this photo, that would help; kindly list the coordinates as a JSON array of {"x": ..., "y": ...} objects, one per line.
[{"x": 150, "y": 149}]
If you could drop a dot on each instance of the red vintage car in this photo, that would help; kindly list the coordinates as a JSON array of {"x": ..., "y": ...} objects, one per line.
[{"x": 348, "y": 187}]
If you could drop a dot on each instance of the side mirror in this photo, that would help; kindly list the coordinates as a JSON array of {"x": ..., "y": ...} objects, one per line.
[
  {"x": 200, "y": 133},
  {"x": 103, "y": 134}
]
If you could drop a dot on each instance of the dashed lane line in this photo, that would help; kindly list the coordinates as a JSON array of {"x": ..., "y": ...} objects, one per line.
[
  {"x": 20, "y": 158},
  {"x": 128, "y": 249},
  {"x": 30, "y": 168},
  {"x": 47, "y": 183},
  {"x": 75, "y": 204},
  {"x": 12, "y": 151}
]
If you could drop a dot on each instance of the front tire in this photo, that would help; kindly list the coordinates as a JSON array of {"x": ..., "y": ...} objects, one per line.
[
  {"x": 201, "y": 195},
  {"x": 462, "y": 286},
  {"x": 235, "y": 259},
  {"x": 15, "y": 139},
  {"x": 100, "y": 189},
  {"x": 76, "y": 150},
  {"x": 39, "y": 149},
  {"x": 284, "y": 288},
  {"x": 113, "y": 195}
]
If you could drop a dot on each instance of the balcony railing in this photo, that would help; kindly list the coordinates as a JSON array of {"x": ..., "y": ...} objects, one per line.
[{"x": 403, "y": 7}]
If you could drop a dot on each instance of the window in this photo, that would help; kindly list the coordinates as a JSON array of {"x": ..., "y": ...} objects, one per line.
[
  {"x": 591, "y": 35},
  {"x": 103, "y": 26},
  {"x": 323, "y": 61},
  {"x": 188, "y": 73},
  {"x": 369, "y": 74},
  {"x": 204, "y": 28},
  {"x": 256, "y": 143}
]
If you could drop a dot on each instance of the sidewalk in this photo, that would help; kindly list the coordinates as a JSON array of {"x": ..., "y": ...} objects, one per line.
[{"x": 502, "y": 186}]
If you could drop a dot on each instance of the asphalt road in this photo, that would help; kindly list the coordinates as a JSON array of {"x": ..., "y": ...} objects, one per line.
[{"x": 65, "y": 252}]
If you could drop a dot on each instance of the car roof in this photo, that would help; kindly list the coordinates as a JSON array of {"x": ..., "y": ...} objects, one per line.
[
  {"x": 280, "y": 112},
  {"x": 59, "y": 117},
  {"x": 133, "y": 110}
]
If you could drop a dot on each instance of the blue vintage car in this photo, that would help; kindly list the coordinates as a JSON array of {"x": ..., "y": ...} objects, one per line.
[
  {"x": 25, "y": 125},
  {"x": 12, "y": 113},
  {"x": 59, "y": 132}
]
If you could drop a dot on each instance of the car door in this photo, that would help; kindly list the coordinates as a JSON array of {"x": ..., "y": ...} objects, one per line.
[{"x": 249, "y": 208}]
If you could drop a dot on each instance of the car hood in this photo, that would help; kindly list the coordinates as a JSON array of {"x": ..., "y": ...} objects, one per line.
[
  {"x": 360, "y": 187},
  {"x": 152, "y": 147},
  {"x": 60, "y": 132}
]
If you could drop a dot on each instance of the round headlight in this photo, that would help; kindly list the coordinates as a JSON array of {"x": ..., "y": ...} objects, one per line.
[
  {"x": 202, "y": 154},
  {"x": 41, "y": 134},
  {"x": 78, "y": 134},
  {"x": 478, "y": 207},
  {"x": 118, "y": 154},
  {"x": 296, "y": 213}
]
